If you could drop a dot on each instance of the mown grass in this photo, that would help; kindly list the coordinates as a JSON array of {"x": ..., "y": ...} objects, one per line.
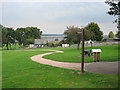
[
  {"x": 0, "y": 69},
  {"x": 19, "y": 71},
  {"x": 109, "y": 53},
  {"x": 12, "y": 47}
]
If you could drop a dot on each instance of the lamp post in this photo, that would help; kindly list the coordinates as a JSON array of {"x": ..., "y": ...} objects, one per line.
[
  {"x": 82, "y": 62},
  {"x": 82, "y": 58}
]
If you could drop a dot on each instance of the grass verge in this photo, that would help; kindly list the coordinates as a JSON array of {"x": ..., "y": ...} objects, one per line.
[{"x": 109, "y": 53}]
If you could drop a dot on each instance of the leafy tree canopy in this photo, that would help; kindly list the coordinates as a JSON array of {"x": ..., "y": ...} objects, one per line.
[
  {"x": 23, "y": 35},
  {"x": 94, "y": 28},
  {"x": 114, "y": 7},
  {"x": 8, "y": 36},
  {"x": 118, "y": 34},
  {"x": 74, "y": 35},
  {"x": 111, "y": 34},
  {"x": 114, "y": 10}
]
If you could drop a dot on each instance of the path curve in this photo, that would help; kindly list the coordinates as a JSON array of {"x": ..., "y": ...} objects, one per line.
[
  {"x": 95, "y": 67},
  {"x": 39, "y": 59}
]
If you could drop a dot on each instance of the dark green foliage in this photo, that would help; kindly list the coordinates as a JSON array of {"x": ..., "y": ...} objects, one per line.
[
  {"x": 24, "y": 36},
  {"x": 104, "y": 40},
  {"x": 60, "y": 43},
  {"x": 74, "y": 35},
  {"x": 27, "y": 35},
  {"x": 50, "y": 44},
  {"x": 118, "y": 34},
  {"x": 95, "y": 31},
  {"x": 56, "y": 39},
  {"x": 29, "y": 41},
  {"x": 1, "y": 35},
  {"x": 8, "y": 36},
  {"x": 114, "y": 7},
  {"x": 111, "y": 34},
  {"x": 114, "y": 10},
  {"x": 20, "y": 35}
]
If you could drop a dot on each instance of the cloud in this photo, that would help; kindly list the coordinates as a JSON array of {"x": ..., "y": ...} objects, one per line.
[
  {"x": 53, "y": 17},
  {"x": 55, "y": 11}
]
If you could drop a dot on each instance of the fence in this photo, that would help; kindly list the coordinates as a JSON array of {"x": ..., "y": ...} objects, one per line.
[{"x": 97, "y": 44}]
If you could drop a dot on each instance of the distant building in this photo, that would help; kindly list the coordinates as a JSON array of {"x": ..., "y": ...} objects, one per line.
[
  {"x": 110, "y": 39},
  {"x": 54, "y": 38}
]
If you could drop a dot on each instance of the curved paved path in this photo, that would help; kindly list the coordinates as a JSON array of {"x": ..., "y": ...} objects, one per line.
[
  {"x": 39, "y": 59},
  {"x": 95, "y": 67}
]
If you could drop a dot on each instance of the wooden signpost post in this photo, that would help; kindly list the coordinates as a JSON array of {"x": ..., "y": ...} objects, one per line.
[{"x": 96, "y": 54}]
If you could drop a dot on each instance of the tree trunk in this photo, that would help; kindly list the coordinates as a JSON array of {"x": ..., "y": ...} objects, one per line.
[
  {"x": 15, "y": 45},
  {"x": 10, "y": 46},
  {"x": 91, "y": 44},
  {"x": 7, "y": 46}
]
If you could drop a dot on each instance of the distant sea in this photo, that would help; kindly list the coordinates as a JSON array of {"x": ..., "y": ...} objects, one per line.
[{"x": 52, "y": 34}]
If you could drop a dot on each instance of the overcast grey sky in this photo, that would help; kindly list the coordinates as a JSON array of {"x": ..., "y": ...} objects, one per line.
[{"x": 54, "y": 17}]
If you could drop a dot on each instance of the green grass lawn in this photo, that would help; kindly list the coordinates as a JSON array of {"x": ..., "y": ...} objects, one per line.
[
  {"x": 19, "y": 71},
  {"x": 10, "y": 47},
  {"x": 0, "y": 69},
  {"x": 109, "y": 53}
]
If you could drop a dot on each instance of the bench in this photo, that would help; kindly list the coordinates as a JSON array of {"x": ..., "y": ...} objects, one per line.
[{"x": 88, "y": 53}]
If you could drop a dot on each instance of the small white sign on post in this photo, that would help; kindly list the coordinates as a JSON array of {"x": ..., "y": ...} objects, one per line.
[
  {"x": 96, "y": 54},
  {"x": 96, "y": 50}
]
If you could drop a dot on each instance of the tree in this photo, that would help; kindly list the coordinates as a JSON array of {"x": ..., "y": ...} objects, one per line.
[
  {"x": 20, "y": 35},
  {"x": 24, "y": 36},
  {"x": 114, "y": 9},
  {"x": 56, "y": 39},
  {"x": 111, "y": 34},
  {"x": 118, "y": 34},
  {"x": 1, "y": 35},
  {"x": 27, "y": 35},
  {"x": 94, "y": 28},
  {"x": 4, "y": 32},
  {"x": 33, "y": 32},
  {"x": 72, "y": 35},
  {"x": 8, "y": 36}
]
